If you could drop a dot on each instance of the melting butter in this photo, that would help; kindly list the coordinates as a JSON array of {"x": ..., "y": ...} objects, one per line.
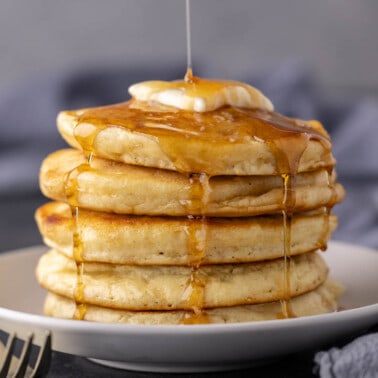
[{"x": 200, "y": 95}]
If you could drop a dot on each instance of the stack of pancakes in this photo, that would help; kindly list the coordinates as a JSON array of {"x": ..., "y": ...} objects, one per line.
[{"x": 169, "y": 216}]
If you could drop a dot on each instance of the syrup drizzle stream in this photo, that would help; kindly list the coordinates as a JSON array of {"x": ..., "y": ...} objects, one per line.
[
  {"x": 200, "y": 190},
  {"x": 189, "y": 72}
]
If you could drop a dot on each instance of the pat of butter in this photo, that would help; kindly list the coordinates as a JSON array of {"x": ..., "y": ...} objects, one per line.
[{"x": 200, "y": 95}]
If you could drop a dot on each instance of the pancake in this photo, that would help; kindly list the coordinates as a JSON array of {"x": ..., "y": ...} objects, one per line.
[
  {"x": 226, "y": 141},
  {"x": 194, "y": 202},
  {"x": 179, "y": 287},
  {"x": 141, "y": 240},
  {"x": 319, "y": 301},
  {"x": 109, "y": 186}
]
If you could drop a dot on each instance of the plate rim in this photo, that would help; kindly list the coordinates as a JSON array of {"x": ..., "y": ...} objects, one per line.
[{"x": 183, "y": 350}]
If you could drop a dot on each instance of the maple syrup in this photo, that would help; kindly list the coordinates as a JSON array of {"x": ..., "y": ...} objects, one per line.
[
  {"x": 288, "y": 152},
  {"x": 222, "y": 126},
  {"x": 71, "y": 191},
  {"x": 194, "y": 292},
  {"x": 189, "y": 72},
  {"x": 286, "y": 138}
]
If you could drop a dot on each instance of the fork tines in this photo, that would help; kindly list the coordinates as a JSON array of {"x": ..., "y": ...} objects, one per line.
[{"x": 41, "y": 366}]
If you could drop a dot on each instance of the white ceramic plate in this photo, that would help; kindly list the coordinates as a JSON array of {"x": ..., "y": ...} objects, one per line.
[{"x": 197, "y": 347}]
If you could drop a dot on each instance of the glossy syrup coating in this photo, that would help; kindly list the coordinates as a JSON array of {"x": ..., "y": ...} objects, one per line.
[{"x": 202, "y": 142}]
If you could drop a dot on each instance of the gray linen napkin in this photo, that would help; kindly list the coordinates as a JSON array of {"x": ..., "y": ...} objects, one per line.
[{"x": 359, "y": 359}]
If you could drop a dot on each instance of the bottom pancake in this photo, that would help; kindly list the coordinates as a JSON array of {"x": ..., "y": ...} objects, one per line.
[
  {"x": 180, "y": 287},
  {"x": 319, "y": 301}
]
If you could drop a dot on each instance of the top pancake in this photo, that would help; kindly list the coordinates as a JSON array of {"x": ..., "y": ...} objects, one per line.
[{"x": 226, "y": 141}]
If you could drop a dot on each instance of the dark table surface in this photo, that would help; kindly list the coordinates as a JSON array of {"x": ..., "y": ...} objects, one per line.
[
  {"x": 300, "y": 365},
  {"x": 69, "y": 366},
  {"x": 293, "y": 366}
]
